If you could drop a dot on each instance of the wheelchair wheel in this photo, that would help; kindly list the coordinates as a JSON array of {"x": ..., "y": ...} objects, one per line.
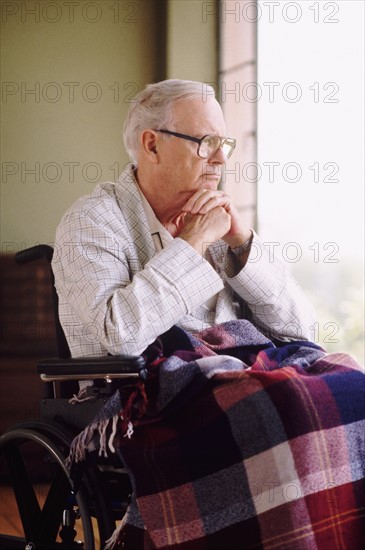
[{"x": 36, "y": 482}]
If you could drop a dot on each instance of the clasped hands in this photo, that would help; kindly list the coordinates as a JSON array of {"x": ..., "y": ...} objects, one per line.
[{"x": 206, "y": 217}]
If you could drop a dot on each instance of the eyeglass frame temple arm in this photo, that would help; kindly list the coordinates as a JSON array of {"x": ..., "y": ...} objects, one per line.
[{"x": 184, "y": 136}]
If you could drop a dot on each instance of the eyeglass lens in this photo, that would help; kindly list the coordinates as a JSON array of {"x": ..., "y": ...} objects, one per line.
[{"x": 210, "y": 145}]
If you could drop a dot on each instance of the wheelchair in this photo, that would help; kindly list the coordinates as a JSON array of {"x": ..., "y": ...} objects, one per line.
[{"x": 57, "y": 511}]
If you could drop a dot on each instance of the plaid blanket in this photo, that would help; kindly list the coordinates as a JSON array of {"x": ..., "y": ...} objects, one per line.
[{"x": 240, "y": 442}]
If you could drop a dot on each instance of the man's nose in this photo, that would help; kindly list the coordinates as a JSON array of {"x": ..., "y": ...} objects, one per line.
[{"x": 218, "y": 157}]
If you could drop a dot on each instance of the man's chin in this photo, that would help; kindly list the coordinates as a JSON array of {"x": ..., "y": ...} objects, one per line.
[{"x": 211, "y": 181}]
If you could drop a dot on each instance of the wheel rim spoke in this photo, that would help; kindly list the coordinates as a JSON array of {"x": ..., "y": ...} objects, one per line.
[
  {"x": 25, "y": 496},
  {"x": 40, "y": 513},
  {"x": 50, "y": 517}
]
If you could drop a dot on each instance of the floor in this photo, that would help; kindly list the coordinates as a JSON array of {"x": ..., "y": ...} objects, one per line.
[
  {"x": 9, "y": 516},
  {"x": 9, "y": 521}
]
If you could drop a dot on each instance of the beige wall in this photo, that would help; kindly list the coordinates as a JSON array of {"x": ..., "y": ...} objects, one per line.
[
  {"x": 238, "y": 73},
  {"x": 192, "y": 41},
  {"x": 69, "y": 71},
  {"x": 57, "y": 141}
]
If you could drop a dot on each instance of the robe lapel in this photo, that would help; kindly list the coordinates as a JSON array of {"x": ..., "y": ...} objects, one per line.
[{"x": 130, "y": 203}]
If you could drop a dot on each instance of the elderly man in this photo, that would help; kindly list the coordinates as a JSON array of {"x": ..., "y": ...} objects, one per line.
[
  {"x": 235, "y": 440},
  {"x": 163, "y": 246}
]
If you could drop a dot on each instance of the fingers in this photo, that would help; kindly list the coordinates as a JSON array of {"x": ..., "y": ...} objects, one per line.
[
  {"x": 205, "y": 200},
  {"x": 206, "y": 228},
  {"x": 175, "y": 225}
]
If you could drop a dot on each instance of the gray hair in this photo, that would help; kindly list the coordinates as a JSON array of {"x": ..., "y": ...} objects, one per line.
[{"x": 152, "y": 107}]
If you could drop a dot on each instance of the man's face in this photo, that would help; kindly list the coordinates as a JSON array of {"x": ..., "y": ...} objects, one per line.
[{"x": 182, "y": 171}]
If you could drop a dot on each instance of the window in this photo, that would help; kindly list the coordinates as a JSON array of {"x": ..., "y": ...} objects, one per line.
[{"x": 302, "y": 182}]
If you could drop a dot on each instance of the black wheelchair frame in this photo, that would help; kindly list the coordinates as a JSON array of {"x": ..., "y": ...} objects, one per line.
[{"x": 55, "y": 510}]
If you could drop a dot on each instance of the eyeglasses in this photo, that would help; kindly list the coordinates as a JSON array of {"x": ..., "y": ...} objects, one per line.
[{"x": 208, "y": 145}]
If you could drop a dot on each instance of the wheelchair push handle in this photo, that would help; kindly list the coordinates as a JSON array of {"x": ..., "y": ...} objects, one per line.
[{"x": 34, "y": 253}]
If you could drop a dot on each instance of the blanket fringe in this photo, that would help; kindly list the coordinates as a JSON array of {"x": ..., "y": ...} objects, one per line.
[
  {"x": 81, "y": 397},
  {"x": 112, "y": 435},
  {"x": 102, "y": 427},
  {"x": 130, "y": 430},
  {"x": 115, "y": 540},
  {"x": 95, "y": 436},
  {"x": 135, "y": 406},
  {"x": 79, "y": 445},
  {"x": 83, "y": 443}
]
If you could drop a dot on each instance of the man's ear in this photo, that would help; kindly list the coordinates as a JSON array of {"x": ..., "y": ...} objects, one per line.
[{"x": 149, "y": 145}]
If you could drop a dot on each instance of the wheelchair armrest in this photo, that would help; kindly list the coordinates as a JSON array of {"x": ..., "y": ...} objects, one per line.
[{"x": 89, "y": 368}]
